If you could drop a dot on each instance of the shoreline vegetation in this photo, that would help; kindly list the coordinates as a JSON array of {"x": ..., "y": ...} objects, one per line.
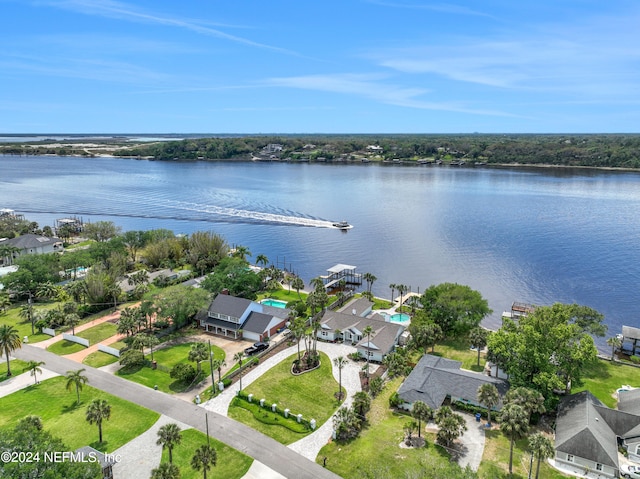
[{"x": 594, "y": 151}]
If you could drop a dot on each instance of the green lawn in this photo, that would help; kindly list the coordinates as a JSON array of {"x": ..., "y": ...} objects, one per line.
[
  {"x": 166, "y": 359},
  {"x": 57, "y": 407},
  {"x": 231, "y": 464},
  {"x": 99, "y": 332},
  {"x": 63, "y": 347},
  {"x": 495, "y": 460},
  {"x": 377, "y": 452},
  {"x": 460, "y": 350},
  {"x": 310, "y": 394},
  {"x": 12, "y": 317},
  {"x": 98, "y": 359},
  {"x": 17, "y": 367},
  {"x": 605, "y": 377}
]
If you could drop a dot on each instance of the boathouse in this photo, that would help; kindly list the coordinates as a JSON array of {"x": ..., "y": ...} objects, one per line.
[{"x": 341, "y": 272}]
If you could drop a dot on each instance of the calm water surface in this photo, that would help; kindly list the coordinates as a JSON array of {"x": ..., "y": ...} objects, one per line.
[{"x": 538, "y": 236}]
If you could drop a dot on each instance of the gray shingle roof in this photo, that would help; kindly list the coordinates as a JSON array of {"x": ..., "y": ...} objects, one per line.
[
  {"x": 434, "y": 378},
  {"x": 229, "y": 305},
  {"x": 257, "y": 322},
  {"x": 581, "y": 429},
  {"x": 384, "y": 334},
  {"x": 629, "y": 401},
  {"x": 360, "y": 305},
  {"x": 32, "y": 241}
]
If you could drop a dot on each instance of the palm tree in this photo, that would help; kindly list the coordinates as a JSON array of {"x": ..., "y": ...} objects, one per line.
[
  {"x": 262, "y": 259},
  {"x": 402, "y": 288},
  {"x": 26, "y": 312},
  {"x": 340, "y": 362},
  {"x": 5, "y": 301},
  {"x": 393, "y": 287},
  {"x": 47, "y": 290},
  {"x": 34, "y": 369},
  {"x": 514, "y": 424},
  {"x": 239, "y": 356},
  {"x": 541, "y": 447},
  {"x": 198, "y": 353},
  {"x": 421, "y": 412},
  {"x": 530, "y": 399},
  {"x": 218, "y": 364},
  {"x": 452, "y": 425},
  {"x": 478, "y": 337},
  {"x": 77, "y": 379},
  {"x": 615, "y": 342},
  {"x": 204, "y": 458},
  {"x": 297, "y": 284},
  {"x": 241, "y": 252},
  {"x": 168, "y": 437},
  {"x": 166, "y": 470},
  {"x": 368, "y": 330},
  {"x": 361, "y": 404},
  {"x": 72, "y": 319},
  {"x": 98, "y": 411},
  {"x": 370, "y": 279},
  {"x": 488, "y": 396},
  {"x": 9, "y": 342}
]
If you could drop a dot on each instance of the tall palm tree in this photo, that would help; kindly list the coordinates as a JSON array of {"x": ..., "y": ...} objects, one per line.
[
  {"x": 239, "y": 356},
  {"x": 297, "y": 284},
  {"x": 98, "y": 411},
  {"x": 9, "y": 341},
  {"x": 531, "y": 400},
  {"x": 422, "y": 412},
  {"x": 541, "y": 447},
  {"x": 370, "y": 279},
  {"x": 393, "y": 287},
  {"x": 615, "y": 342},
  {"x": 262, "y": 259},
  {"x": 168, "y": 437},
  {"x": 218, "y": 364},
  {"x": 340, "y": 362},
  {"x": 478, "y": 337},
  {"x": 166, "y": 470},
  {"x": 204, "y": 458},
  {"x": 402, "y": 288},
  {"x": 198, "y": 353},
  {"x": 489, "y": 396},
  {"x": 368, "y": 330},
  {"x": 76, "y": 379},
  {"x": 241, "y": 252},
  {"x": 514, "y": 424},
  {"x": 34, "y": 368},
  {"x": 72, "y": 319},
  {"x": 5, "y": 301}
]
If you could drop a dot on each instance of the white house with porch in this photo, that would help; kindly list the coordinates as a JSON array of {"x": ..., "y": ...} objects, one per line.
[{"x": 241, "y": 318}]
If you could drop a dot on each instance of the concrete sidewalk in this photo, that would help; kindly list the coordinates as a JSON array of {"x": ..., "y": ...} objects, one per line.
[{"x": 21, "y": 381}]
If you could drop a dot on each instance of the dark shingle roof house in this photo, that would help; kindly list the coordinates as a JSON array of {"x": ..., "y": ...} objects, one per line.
[
  {"x": 434, "y": 379},
  {"x": 588, "y": 432}
]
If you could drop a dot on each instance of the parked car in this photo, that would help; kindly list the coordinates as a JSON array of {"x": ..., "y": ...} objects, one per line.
[
  {"x": 256, "y": 348},
  {"x": 630, "y": 471}
]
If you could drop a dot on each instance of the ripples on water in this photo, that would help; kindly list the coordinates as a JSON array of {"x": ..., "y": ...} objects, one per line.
[{"x": 536, "y": 236}]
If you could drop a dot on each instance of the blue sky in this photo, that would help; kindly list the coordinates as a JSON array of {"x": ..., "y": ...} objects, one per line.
[{"x": 301, "y": 66}]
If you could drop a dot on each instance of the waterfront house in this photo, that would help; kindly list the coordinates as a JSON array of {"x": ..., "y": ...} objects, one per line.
[
  {"x": 241, "y": 318},
  {"x": 436, "y": 379},
  {"x": 588, "y": 433},
  {"x": 30, "y": 244},
  {"x": 350, "y": 327}
]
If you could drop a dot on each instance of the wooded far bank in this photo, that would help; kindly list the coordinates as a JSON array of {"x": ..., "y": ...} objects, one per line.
[{"x": 589, "y": 150}]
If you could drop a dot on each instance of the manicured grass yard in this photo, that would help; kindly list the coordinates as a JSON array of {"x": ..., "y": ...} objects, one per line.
[
  {"x": 377, "y": 452},
  {"x": 310, "y": 394},
  {"x": 12, "y": 317},
  {"x": 231, "y": 464},
  {"x": 99, "y": 332},
  {"x": 167, "y": 358},
  {"x": 460, "y": 350},
  {"x": 17, "y": 367},
  {"x": 605, "y": 377},
  {"x": 98, "y": 359},
  {"x": 63, "y": 347},
  {"x": 63, "y": 418}
]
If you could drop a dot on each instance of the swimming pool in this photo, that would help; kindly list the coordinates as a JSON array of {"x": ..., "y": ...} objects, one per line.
[
  {"x": 399, "y": 318},
  {"x": 276, "y": 303}
]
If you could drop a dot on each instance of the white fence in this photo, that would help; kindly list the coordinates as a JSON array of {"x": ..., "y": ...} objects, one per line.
[
  {"x": 109, "y": 350},
  {"x": 49, "y": 331},
  {"x": 75, "y": 339}
]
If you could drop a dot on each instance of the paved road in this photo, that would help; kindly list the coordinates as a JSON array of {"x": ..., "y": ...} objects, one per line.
[{"x": 262, "y": 448}]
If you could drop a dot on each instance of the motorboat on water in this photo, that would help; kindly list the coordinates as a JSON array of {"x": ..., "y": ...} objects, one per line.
[{"x": 342, "y": 225}]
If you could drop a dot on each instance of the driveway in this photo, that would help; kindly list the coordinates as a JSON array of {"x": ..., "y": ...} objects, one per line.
[{"x": 267, "y": 451}]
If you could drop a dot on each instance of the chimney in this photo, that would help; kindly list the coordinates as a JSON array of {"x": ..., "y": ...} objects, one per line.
[{"x": 225, "y": 291}]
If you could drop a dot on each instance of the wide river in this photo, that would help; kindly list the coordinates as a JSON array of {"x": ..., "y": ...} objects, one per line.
[{"x": 531, "y": 235}]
